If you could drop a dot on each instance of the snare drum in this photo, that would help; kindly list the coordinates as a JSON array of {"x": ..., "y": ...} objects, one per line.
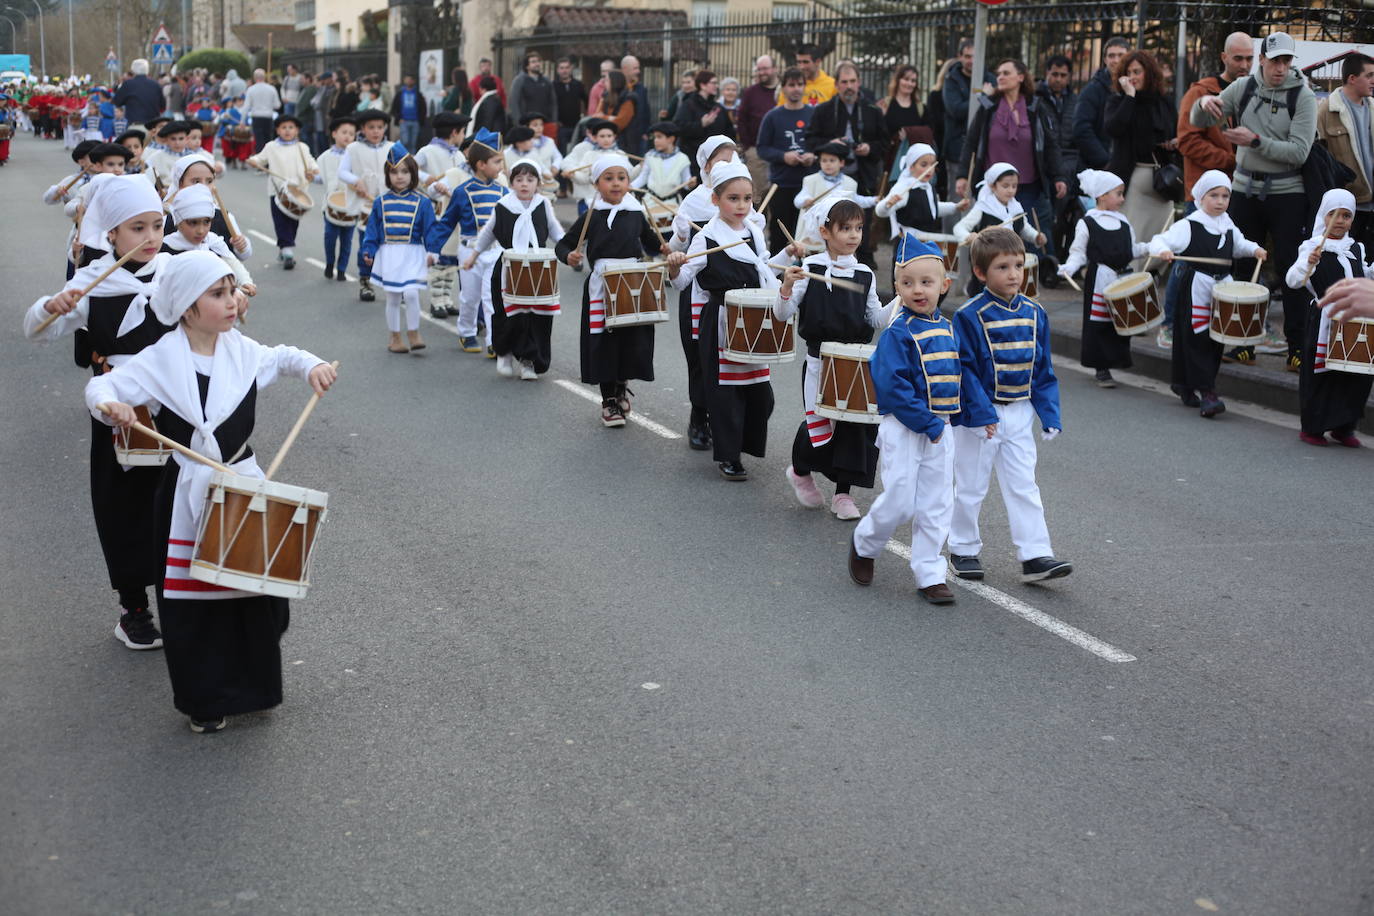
[
  {"x": 634, "y": 295},
  {"x": 294, "y": 201},
  {"x": 752, "y": 334},
  {"x": 1238, "y": 311},
  {"x": 336, "y": 209},
  {"x": 5, "y": 132},
  {"x": 1030, "y": 278},
  {"x": 242, "y": 133},
  {"x": 846, "y": 386},
  {"x": 258, "y": 535},
  {"x": 135, "y": 449},
  {"x": 530, "y": 280},
  {"x": 660, "y": 216},
  {"x": 1133, "y": 301},
  {"x": 1348, "y": 348}
]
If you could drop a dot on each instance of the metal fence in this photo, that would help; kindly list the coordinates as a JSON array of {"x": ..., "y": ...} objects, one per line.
[
  {"x": 878, "y": 34},
  {"x": 357, "y": 61}
]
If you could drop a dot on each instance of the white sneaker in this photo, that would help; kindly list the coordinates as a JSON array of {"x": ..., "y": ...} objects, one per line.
[
  {"x": 505, "y": 367},
  {"x": 527, "y": 373}
]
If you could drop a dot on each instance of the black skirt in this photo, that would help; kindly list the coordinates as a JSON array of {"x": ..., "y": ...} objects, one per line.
[
  {"x": 1331, "y": 401},
  {"x": 615, "y": 355},
  {"x": 125, "y": 522},
  {"x": 525, "y": 336},
  {"x": 1101, "y": 346}
]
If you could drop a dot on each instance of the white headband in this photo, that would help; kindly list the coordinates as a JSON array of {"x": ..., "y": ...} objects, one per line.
[
  {"x": 609, "y": 161},
  {"x": 728, "y": 171},
  {"x": 183, "y": 280},
  {"x": 112, "y": 200},
  {"x": 194, "y": 202}
]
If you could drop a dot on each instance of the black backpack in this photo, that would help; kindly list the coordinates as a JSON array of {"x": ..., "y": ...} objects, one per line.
[{"x": 1321, "y": 172}]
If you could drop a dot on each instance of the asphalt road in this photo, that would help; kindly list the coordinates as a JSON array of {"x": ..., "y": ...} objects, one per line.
[{"x": 547, "y": 667}]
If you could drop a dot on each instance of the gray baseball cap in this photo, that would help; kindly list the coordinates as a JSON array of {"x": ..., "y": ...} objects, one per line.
[{"x": 1279, "y": 44}]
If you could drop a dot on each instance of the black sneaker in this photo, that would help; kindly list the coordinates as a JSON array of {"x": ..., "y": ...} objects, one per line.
[
  {"x": 451, "y": 311},
  {"x": 966, "y": 567},
  {"x": 329, "y": 273},
  {"x": 1186, "y": 395},
  {"x": 207, "y": 726},
  {"x": 365, "y": 291},
  {"x": 611, "y": 416},
  {"x": 342, "y": 277},
  {"x": 288, "y": 263},
  {"x": 1104, "y": 379},
  {"x": 732, "y": 470},
  {"x": 137, "y": 631},
  {"x": 1042, "y": 568},
  {"x": 1211, "y": 405},
  {"x": 699, "y": 438},
  {"x": 438, "y": 311}
]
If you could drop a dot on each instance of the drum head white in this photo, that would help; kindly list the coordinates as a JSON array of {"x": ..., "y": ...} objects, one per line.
[
  {"x": 751, "y": 298},
  {"x": 862, "y": 352}
]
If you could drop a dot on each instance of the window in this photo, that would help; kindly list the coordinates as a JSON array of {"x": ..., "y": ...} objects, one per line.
[
  {"x": 333, "y": 35},
  {"x": 789, "y": 12},
  {"x": 707, "y": 13}
]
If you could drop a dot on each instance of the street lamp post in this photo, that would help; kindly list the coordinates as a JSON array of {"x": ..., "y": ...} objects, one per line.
[
  {"x": 71, "y": 41},
  {"x": 14, "y": 36},
  {"x": 42, "y": 40}
]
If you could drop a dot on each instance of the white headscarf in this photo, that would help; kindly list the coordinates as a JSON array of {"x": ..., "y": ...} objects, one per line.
[
  {"x": 728, "y": 171},
  {"x": 522, "y": 234},
  {"x": 907, "y": 183},
  {"x": 1096, "y": 182},
  {"x": 1336, "y": 199},
  {"x": 112, "y": 200},
  {"x": 628, "y": 202},
  {"x": 988, "y": 201},
  {"x": 709, "y": 146},
  {"x": 194, "y": 202},
  {"x": 1212, "y": 178},
  {"x": 184, "y": 163},
  {"x": 183, "y": 280}
]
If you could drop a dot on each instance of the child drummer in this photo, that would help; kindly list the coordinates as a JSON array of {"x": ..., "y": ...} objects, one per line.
[
  {"x": 844, "y": 452},
  {"x": 223, "y": 645},
  {"x": 113, "y": 323},
  {"x": 996, "y": 206},
  {"x": 617, "y": 234},
  {"x": 193, "y": 211},
  {"x": 922, "y": 387},
  {"x": 1331, "y": 401},
  {"x": 739, "y": 395},
  {"x": 1208, "y": 232},
  {"x": 913, "y": 205},
  {"x": 289, "y": 165},
  {"x": 1004, "y": 338},
  {"x": 1106, "y": 244},
  {"x": 523, "y": 219},
  {"x": 339, "y": 227}
]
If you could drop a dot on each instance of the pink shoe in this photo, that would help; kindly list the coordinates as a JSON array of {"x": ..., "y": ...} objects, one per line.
[
  {"x": 843, "y": 507},
  {"x": 1349, "y": 440},
  {"x": 1311, "y": 439},
  {"x": 806, "y": 491}
]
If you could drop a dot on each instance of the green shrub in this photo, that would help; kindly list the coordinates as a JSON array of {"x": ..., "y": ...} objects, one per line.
[{"x": 216, "y": 60}]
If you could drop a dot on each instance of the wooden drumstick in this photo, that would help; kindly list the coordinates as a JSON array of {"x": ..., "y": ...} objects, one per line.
[
  {"x": 1254, "y": 277},
  {"x": 968, "y": 239},
  {"x": 1072, "y": 283},
  {"x": 1220, "y": 262},
  {"x": 228, "y": 217},
  {"x": 817, "y": 199},
  {"x": 772, "y": 189},
  {"x": 62, "y": 191},
  {"x": 1307, "y": 275},
  {"x": 290, "y": 439},
  {"x": 841, "y": 282},
  {"x": 787, "y": 235},
  {"x": 172, "y": 443},
  {"x": 706, "y": 251},
  {"x": 47, "y": 322},
  {"x": 582, "y": 237},
  {"x": 1167, "y": 223},
  {"x": 688, "y": 183},
  {"x": 579, "y": 168}
]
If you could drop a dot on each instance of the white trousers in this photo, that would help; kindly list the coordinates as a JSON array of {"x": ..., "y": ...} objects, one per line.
[
  {"x": 1012, "y": 453},
  {"x": 918, "y": 477},
  {"x": 475, "y": 290}
]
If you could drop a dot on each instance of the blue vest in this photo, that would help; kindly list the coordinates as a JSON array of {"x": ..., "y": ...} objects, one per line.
[
  {"x": 399, "y": 213},
  {"x": 1010, "y": 336},
  {"x": 482, "y": 199},
  {"x": 940, "y": 366}
]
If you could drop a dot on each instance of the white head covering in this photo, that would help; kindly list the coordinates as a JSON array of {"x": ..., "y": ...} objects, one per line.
[
  {"x": 1096, "y": 182},
  {"x": 906, "y": 183},
  {"x": 194, "y": 202},
  {"x": 988, "y": 201},
  {"x": 538, "y": 169},
  {"x": 628, "y": 202},
  {"x": 608, "y": 161},
  {"x": 184, "y": 163},
  {"x": 183, "y": 280},
  {"x": 1335, "y": 199},
  {"x": 522, "y": 233},
  {"x": 1212, "y": 178},
  {"x": 114, "y": 199},
  {"x": 914, "y": 152},
  {"x": 728, "y": 171},
  {"x": 709, "y": 146}
]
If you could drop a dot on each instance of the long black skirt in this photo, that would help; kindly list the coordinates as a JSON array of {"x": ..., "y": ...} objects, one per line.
[
  {"x": 1331, "y": 401},
  {"x": 122, "y": 502},
  {"x": 615, "y": 355},
  {"x": 1196, "y": 357},
  {"x": 1101, "y": 346},
  {"x": 739, "y": 413},
  {"x": 850, "y": 457},
  {"x": 223, "y": 657},
  {"x": 696, "y": 396},
  {"x": 525, "y": 336}
]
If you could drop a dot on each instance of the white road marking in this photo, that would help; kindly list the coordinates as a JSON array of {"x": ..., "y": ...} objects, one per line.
[
  {"x": 1026, "y": 612},
  {"x": 315, "y": 262},
  {"x": 1243, "y": 408},
  {"x": 588, "y": 394},
  {"x": 264, "y": 236}
]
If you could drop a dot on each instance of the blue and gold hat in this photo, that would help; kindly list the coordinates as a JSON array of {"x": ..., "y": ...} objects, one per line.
[
  {"x": 909, "y": 248},
  {"x": 488, "y": 138}
]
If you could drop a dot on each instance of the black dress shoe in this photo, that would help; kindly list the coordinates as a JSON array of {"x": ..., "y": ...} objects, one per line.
[
  {"x": 1186, "y": 395},
  {"x": 1042, "y": 568},
  {"x": 699, "y": 438},
  {"x": 288, "y": 264},
  {"x": 1211, "y": 405},
  {"x": 341, "y": 277},
  {"x": 860, "y": 568},
  {"x": 732, "y": 470},
  {"x": 438, "y": 311},
  {"x": 329, "y": 273}
]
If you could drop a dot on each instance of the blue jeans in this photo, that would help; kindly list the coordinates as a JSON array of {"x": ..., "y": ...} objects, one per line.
[
  {"x": 340, "y": 237},
  {"x": 410, "y": 134},
  {"x": 1175, "y": 289},
  {"x": 288, "y": 108},
  {"x": 1034, "y": 199}
]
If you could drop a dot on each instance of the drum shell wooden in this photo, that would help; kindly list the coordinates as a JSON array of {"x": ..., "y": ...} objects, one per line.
[
  {"x": 626, "y": 302},
  {"x": 258, "y": 535},
  {"x": 336, "y": 210},
  {"x": 846, "y": 385},
  {"x": 1350, "y": 346},
  {"x": 1238, "y": 313},
  {"x": 294, "y": 201},
  {"x": 1030, "y": 277},
  {"x": 242, "y": 133},
  {"x": 136, "y": 449},
  {"x": 6, "y": 132},
  {"x": 752, "y": 333},
  {"x": 1133, "y": 301},
  {"x": 529, "y": 277}
]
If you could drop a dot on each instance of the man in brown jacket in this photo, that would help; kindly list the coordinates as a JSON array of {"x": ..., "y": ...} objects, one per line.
[
  {"x": 1345, "y": 126},
  {"x": 1204, "y": 148}
]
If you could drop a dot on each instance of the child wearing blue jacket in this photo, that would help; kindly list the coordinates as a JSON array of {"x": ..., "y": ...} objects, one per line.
[
  {"x": 1004, "y": 340},
  {"x": 922, "y": 388},
  {"x": 398, "y": 249}
]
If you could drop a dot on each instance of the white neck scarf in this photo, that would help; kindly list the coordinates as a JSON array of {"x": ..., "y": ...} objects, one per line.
[
  {"x": 523, "y": 235},
  {"x": 628, "y": 203},
  {"x": 122, "y": 283},
  {"x": 756, "y": 255}
]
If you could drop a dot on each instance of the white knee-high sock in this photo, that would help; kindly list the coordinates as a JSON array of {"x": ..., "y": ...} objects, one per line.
[
  {"x": 393, "y": 311},
  {"x": 411, "y": 294}
]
